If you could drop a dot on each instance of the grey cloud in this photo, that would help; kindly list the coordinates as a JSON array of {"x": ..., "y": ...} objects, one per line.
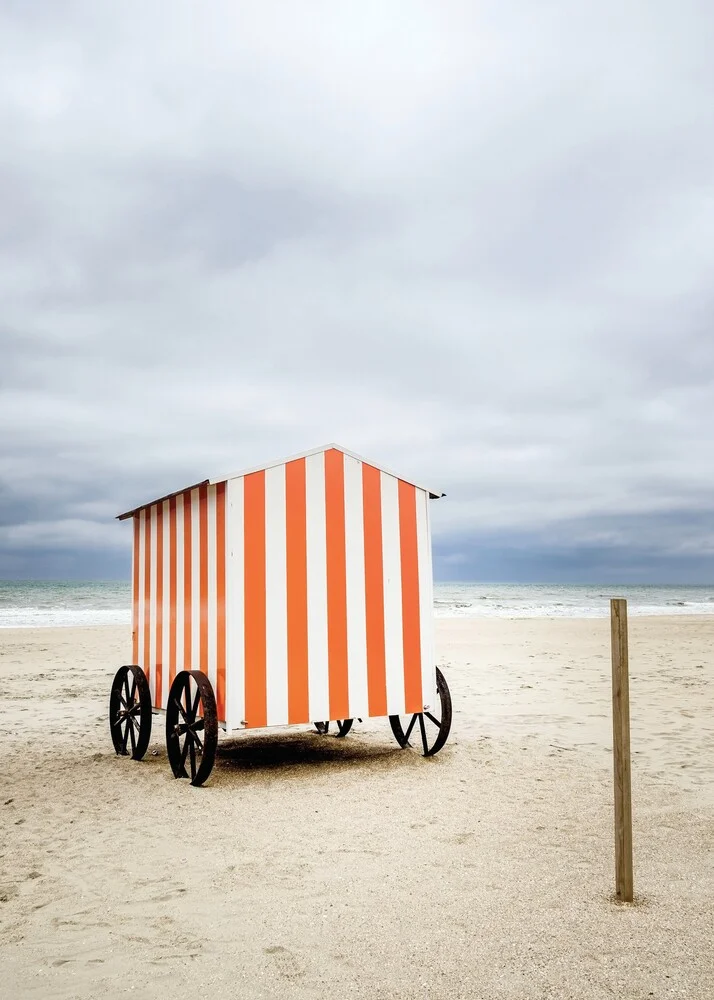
[
  {"x": 676, "y": 547},
  {"x": 474, "y": 243}
]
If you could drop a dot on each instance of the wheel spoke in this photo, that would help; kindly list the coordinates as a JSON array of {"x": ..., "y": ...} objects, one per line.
[
  {"x": 193, "y": 757},
  {"x": 409, "y": 730},
  {"x": 197, "y": 740},
  {"x": 121, "y": 699},
  {"x": 196, "y": 703},
  {"x": 130, "y": 727},
  {"x": 424, "y": 741},
  {"x": 133, "y": 691},
  {"x": 184, "y": 751},
  {"x": 432, "y": 719},
  {"x": 180, "y": 708},
  {"x": 187, "y": 699},
  {"x": 125, "y": 737}
]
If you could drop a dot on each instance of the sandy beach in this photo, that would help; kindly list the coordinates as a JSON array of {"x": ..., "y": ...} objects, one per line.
[{"x": 310, "y": 866}]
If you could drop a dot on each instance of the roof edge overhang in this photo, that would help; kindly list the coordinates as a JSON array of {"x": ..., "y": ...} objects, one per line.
[
  {"x": 176, "y": 493},
  {"x": 433, "y": 494}
]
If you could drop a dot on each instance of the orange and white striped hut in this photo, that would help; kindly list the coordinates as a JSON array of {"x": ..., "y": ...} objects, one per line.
[{"x": 301, "y": 591}]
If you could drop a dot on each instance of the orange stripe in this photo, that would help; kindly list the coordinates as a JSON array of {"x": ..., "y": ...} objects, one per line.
[
  {"x": 135, "y": 594},
  {"x": 411, "y": 626},
  {"x": 221, "y": 600},
  {"x": 187, "y": 570},
  {"x": 296, "y": 571},
  {"x": 159, "y": 600},
  {"x": 203, "y": 577},
  {"x": 147, "y": 593},
  {"x": 336, "y": 584},
  {"x": 172, "y": 589},
  {"x": 374, "y": 590},
  {"x": 256, "y": 707}
]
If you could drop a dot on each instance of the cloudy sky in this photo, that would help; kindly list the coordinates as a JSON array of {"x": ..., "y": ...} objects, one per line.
[{"x": 473, "y": 241}]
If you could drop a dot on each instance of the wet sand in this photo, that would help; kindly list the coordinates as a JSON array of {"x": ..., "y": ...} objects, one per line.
[{"x": 311, "y": 866}]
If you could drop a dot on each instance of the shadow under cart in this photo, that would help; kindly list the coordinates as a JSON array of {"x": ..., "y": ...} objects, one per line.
[{"x": 192, "y": 721}]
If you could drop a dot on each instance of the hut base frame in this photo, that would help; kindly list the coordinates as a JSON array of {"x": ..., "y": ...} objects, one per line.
[{"x": 192, "y": 723}]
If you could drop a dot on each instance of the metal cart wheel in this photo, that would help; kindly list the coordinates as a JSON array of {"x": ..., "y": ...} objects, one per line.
[
  {"x": 130, "y": 712},
  {"x": 191, "y": 726},
  {"x": 426, "y": 731},
  {"x": 343, "y": 727}
]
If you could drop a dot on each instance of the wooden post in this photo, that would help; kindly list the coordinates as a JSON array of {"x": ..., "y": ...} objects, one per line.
[{"x": 621, "y": 750}]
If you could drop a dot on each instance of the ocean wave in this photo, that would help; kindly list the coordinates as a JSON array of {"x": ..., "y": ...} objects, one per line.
[
  {"x": 565, "y": 601},
  {"x": 35, "y": 605},
  {"x": 62, "y": 617}
]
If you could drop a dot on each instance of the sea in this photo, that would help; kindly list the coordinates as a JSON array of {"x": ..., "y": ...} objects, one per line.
[{"x": 37, "y": 604}]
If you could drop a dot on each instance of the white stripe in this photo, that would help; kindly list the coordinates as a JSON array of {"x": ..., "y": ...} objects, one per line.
[
  {"x": 356, "y": 612},
  {"x": 211, "y": 667},
  {"x": 235, "y": 609},
  {"x": 151, "y": 657},
  {"x": 426, "y": 600},
  {"x": 166, "y": 607},
  {"x": 276, "y": 598},
  {"x": 140, "y": 606},
  {"x": 195, "y": 584},
  {"x": 318, "y": 677},
  {"x": 392, "y": 570},
  {"x": 178, "y": 666}
]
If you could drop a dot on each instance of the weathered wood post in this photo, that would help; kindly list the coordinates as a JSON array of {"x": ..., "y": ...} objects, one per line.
[{"x": 621, "y": 750}]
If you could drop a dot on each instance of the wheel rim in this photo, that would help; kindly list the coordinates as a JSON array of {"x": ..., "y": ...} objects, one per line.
[
  {"x": 191, "y": 726},
  {"x": 343, "y": 727},
  {"x": 130, "y": 712},
  {"x": 426, "y": 731}
]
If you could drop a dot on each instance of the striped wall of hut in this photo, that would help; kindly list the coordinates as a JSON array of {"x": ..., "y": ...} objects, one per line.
[
  {"x": 303, "y": 590},
  {"x": 179, "y": 590}
]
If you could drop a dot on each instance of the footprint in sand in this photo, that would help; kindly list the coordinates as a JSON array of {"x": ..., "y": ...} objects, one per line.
[
  {"x": 287, "y": 965},
  {"x": 8, "y": 891}
]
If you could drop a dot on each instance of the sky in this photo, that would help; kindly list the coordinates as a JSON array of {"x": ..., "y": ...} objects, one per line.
[{"x": 472, "y": 241}]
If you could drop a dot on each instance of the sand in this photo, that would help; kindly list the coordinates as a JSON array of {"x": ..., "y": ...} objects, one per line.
[{"x": 311, "y": 866}]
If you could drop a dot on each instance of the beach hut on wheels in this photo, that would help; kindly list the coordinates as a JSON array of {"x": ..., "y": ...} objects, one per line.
[{"x": 294, "y": 593}]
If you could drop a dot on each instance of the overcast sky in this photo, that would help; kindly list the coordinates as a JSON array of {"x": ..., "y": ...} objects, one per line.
[{"x": 473, "y": 241}]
